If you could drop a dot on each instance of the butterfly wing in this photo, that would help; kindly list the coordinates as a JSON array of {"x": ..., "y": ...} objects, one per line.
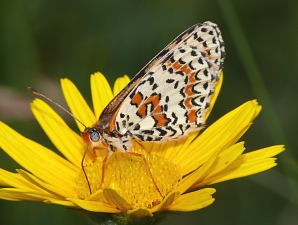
[{"x": 170, "y": 95}]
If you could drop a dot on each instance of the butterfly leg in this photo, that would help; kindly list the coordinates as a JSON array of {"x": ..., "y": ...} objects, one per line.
[
  {"x": 147, "y": 168},
  {"x": 103, "y": 169},
  {"x": 94, "y": 158},
  {"x": 99, "y": 149},
  {"x": 142, "y": 146},
  {"x": 82, "y": 165}
]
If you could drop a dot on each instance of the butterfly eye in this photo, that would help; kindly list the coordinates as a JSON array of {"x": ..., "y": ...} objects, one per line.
[{"x": 94, "y": 135}]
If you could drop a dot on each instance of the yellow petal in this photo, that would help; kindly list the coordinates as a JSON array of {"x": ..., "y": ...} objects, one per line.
[
  {"x": 163, "y": 150},
  {"x": 140, "y": 213},
  {"x": 56, "y": 191},
  {"x": 120, "y": 83},
  {"x": 197, "y": 175},
  {"x": 101, "y": 93},
  {"x": 263, "y": 153},
  {"x": 219, "y": 136},
  {"x": 9, "y": 179},
  {"x": 42, "y": 162},
  {"x": 68, "y": 142},
  {"x": 77, "y": 104},
  {"x": 97, "y": 196},
  {"x": 94, "y": 206},
  {"x": 113, "y": 198},
  {"x": 247, "y": 164},
  {"x": 174, "y": 151},
  {"x": 166, "y": 202},
  {"x": 193, "y": 200},
  {"x": 13, "y": 194},
  {"x": 59, "y": 202},
  {"x": 226, "y": 158}
]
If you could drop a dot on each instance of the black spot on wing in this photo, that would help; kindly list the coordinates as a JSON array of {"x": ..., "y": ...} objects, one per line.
[
  {"x": 167, "y": 99},
  {"x": 175, "y": 118},
  {"x": 182, "y": 92},
  {"x": 157, "y": 138},
  {"x": 149, "y": 138},
  {"x": 214, "y": 42},
  {"x": 200, "y": 39},
  {"x": 169, "y": 81},
  {"x": 186, "y": 80},
  {"x": 190, "y": 66},
  {"x": 170, "y": 70},
  {"x": 176, "y": 85},
  {"x": 137, "y": 127},
  {"x": 140, "y": 137},
  {"x": 148, "y": 132},
  {"x": 180, "y": 60},
  {"x": 179, "y": 72},
  {"x": 117, "y": 126},
  {"x": 165, "y": 108},
  {"x": 193, "y": 53},
  {"x": 161, "y": 131},
  {"x": 151, "y": 80},
  {"x": 172, "y": 130},
  {"x": 182, "y": 50},
  {"x": 181, "y": 128},
  {"x": 200, "y": 60},
  {"x": 123, "y": 123},
  {"x": 154, "y": 86}
]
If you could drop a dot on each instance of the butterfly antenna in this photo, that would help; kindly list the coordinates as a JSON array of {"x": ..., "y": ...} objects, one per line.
[{"x": 33, "y": 91}]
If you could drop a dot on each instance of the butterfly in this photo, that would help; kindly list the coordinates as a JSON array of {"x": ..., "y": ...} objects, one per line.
[
  {"x": 165, "y": 101},
  {"x": 168, "y": 98}
]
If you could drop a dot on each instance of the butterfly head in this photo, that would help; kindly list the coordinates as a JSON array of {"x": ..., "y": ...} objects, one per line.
[{"x": 91, "y": 136}]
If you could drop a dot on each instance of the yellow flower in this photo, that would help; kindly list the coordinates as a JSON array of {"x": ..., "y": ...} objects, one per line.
[{"x": 181, "y": 170}]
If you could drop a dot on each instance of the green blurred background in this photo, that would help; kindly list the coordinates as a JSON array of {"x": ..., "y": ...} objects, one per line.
[{"x": 43, "y": 41}]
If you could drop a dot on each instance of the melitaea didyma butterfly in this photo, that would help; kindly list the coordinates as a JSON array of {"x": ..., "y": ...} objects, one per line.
[{"x": 168, "y": 98}]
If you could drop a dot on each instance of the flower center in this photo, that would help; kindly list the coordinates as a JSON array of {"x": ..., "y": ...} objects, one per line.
[{"x": 128, "y": 175}]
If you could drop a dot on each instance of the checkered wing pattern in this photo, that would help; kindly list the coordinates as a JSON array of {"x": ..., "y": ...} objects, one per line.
[{"x": 169, "y": 97}]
